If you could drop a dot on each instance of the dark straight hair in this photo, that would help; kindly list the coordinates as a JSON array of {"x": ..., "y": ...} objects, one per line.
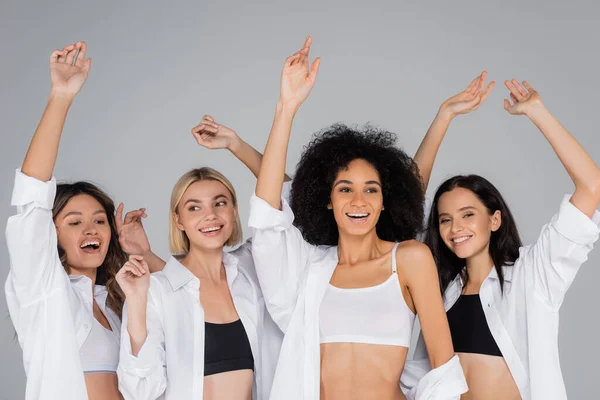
[{"x": 504, "y": 243}]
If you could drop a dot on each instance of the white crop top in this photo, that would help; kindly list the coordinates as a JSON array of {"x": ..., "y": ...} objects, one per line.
[
  {"x": 374, "y": 315},
  {"x": 100, "y": 351}
]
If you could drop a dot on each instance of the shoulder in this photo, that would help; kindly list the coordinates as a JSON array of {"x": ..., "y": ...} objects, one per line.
[{"x": 412, "y": 251}]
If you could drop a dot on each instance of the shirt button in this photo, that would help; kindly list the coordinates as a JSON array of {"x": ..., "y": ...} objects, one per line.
[{"x": 86, "y": 326}]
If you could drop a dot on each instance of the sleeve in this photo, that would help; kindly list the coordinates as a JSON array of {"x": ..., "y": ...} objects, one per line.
[
  {"x": 35, "y": 267},
  {"x": 552, "y": 262},
  {"x": 446, "y": 382},
  {"x": 143, "y": 377},
  {"x": 280, "y": 255}
]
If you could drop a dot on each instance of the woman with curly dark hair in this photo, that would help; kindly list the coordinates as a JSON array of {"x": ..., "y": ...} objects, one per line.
[
  {"x": 64, "y": 251},
  {"x": 503, "y": 298},
  {"x": 346, "y": 280}
]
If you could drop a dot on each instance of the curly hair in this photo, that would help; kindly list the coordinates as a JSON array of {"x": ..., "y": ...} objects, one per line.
[
  {"x": 504, "y": 243},
  {"x": 115, "y": 257},
  {"x": 330, "y": 151}
]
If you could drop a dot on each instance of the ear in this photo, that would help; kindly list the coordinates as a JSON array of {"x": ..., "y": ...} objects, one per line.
[
  {"x": 496, "y": 219},
  {"x": 177, "y": 223},
  {"x": 235, "y": 212},
  {"x": 329, "y": 206}
]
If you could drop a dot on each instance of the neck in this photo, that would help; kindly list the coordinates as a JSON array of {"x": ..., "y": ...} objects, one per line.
[
  {"x": 479, "y": 266},
  {"x": 205, "y": 263},
  {"x": 354, "y": 249}
]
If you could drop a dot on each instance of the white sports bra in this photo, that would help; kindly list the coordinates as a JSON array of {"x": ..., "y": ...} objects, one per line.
[
  {"x": 374, "y": 315},
  {"x": 100, "y": 351}
]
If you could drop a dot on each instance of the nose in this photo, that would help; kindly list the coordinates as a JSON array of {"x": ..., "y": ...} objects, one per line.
[
  {"x": 90, "y": 229},
  {"x": 210, "y": 214},
  {"x": 358, "y": 199},
  {"x": 456, "y": 225}
]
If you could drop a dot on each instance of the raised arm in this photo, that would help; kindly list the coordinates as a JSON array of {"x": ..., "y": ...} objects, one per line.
[
  {"x": 297, "y": 80},
  {"x": 68, "y": 71},
  {"x": 579, "y": 165},
  {"x": 216, "y": 136},
  {"x": 466, "y": 101}
]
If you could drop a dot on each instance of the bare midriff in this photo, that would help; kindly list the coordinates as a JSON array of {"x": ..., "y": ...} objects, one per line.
[
  {"x": 488, "y": 378},
  {"x": 353, "y": 371},
  {"x": 232, "y": 385},
  {"x": 102, "y": 386}
]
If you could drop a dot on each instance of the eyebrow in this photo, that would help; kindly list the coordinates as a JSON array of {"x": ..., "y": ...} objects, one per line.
[
  {"x": 347, "y": 182},
  {"x": 213, "y": 199},
  {"x": 79, "y": 213},
  {"x": 461, "y": 209}
]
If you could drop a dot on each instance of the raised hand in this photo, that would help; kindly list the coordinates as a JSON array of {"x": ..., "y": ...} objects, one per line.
[
  {"x": 524, "y": 98},
  {"x": 214, "y": 136},
  {"x": 297, "y": 79},
  {"x": 134, "y": 277},
  {"x": 470, "y": 99},
  {"x": 69, "y": 69},
  {"x": 132, "y": 236}
]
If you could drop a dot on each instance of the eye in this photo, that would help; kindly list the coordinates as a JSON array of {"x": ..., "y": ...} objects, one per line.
[
  {"x": 74, "y": 223},
  {"x": 444, "y": 220},
  {"x": 101, "y": 222},
  {"x": 193, "y": 208},
  {"x": 372, "y": 190},
  {"x": 221, "y": 203},
  {"x": 469, "y": 214},
  {"x": 345, "y": 190}
]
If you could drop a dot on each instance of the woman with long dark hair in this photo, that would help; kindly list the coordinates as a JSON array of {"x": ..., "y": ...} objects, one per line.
[
  {"x": 340, "y": 271},
  {"x": 502, "y": 298},
  {"x": 64, "y": 252}
]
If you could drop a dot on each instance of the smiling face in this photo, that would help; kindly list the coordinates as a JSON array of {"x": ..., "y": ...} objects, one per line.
[
  {"x": 357, "y": 198},
  {"x": 83, "y": 232},
  {"x": 465, "y": 223},
  {"x": 206, "y": 214}
]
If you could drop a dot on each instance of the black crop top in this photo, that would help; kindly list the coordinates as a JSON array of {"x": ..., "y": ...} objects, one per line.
[
  {"x": 469, "y": 328},
  {"x": 226, "y": 348}
]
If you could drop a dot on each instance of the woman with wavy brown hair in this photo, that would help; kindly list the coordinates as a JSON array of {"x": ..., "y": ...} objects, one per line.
[{"x": 64, "y": 251}]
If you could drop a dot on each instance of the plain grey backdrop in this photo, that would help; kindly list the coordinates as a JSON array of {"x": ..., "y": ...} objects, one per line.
[{"x": 158, "y": 67}]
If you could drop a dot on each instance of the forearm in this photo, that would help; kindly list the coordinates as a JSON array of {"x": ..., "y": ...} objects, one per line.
[
  {"x": 155, "y": 263},
  {"x": 41, "y": 156},
  {"x": 249, "y": 156},
  {"x": 272, "y": 172},
  {"x": 136, "y": 322},
  {"x": 579, "y": 165},
  {"x": 428, "y": 149}
]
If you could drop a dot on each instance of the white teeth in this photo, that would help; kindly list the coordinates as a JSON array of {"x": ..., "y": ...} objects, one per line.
[
  {"x": 461, "y": 239},
  {"x": 90, "y": 243},
  {"x": 358, "y": 215},
  {"x": 214, "y": 228}
]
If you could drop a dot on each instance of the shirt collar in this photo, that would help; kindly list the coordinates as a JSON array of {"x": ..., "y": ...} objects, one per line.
[{"x": 178, "y": 275}]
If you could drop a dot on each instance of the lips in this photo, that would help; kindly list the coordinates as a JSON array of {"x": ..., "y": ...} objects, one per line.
[
  {"x": 461, "y": 240},
  {"x": 91, "y": 245},
  {"x": 212, "y": 230},
  {"x": 358, "y": 217}
]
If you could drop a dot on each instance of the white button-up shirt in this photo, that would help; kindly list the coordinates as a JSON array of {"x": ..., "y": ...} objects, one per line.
[
  {"x": 170, "y": 364},
  {"x": 294, "y": 276},
  {"x": 524, "y": 319},
  {"x": 51, "y": 311}
]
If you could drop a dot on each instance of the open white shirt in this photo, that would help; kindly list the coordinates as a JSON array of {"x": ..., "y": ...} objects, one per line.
[
  {"x": 294, "y": 276},
  {"x": 51, "y": 311},
  {"x": 524, "y": 319},
  {"x": 170, "y": 364}
]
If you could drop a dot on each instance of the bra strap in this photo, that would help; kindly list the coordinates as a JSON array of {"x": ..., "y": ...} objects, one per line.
[{"x": 394, "y": 265}]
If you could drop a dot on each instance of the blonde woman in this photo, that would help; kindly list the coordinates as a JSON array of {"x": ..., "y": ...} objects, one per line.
[{"x": 198, "y": 329}]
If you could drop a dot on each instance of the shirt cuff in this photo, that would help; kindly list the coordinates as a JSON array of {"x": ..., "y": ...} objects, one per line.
[
  {"x": 575, "y": 225},
  {"x": 286, "y": 190},
  {"x": 144, "y": 364},
  {"x": 263, "y": 216},
  {"x": 31, "y": 190}
]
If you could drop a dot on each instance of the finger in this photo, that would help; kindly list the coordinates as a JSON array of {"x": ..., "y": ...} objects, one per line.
[
  {"x": 54, "y": 56},
  {"x": 513, "y": 90},
  {"x": 119, "y": 216},
  {"x": 291, "y": 60},
  {"x": 473, "y": 84},
  {"x": 306, "y": 47},
  {"x": 507, "y": 105},
  {"x": 71, "y": 55},
  {"x": 209, "y": 118},
  {"x": 528, "y": 86},
  {"x": 487, "y": 91},
  {"x": 520, "y": 88},
  {"x": 132, "y": 216},
  {"x": 482, "y": 79},
  {"x": 130, "y": 268},
  {"x": 81, "y": 55},
  {"x": 63, "y": 54},
  {"x": 87, "y": 64},
  {"x": 514, "y": 98},
  {"x": 209, "y": 123},
  {"x": 314, "y": 69},
  {"x": 138, "y": 266}
]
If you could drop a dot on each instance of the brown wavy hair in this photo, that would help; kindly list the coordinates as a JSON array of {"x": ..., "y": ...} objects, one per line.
[{"x": 115, "y": 256}]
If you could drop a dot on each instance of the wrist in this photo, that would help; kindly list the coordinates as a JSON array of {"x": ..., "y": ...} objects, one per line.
[
  {"x": 235, "y": 144},
  {"x": 536, "y": 110},
  {"x": 137, "y": 300},
  {"x": 445, "y": 114},
  {"x": 57, "y": 95},
  {"x": 287, "y": 108}
]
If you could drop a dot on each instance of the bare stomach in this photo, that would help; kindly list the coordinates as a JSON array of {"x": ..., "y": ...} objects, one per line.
[
  {"x": 102, "y": 386},
  {"x": 232, "y": 385},
  {"x": 488, "y": 378},
  {"x": 353, "y": 371}
]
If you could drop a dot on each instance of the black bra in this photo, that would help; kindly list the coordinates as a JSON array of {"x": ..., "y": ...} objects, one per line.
[
  {"x": 226, "y": 348},
  {"x": 469, "y": 328}
]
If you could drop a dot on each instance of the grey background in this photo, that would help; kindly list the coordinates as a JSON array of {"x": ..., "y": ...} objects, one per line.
[{"x": 157, "y": 68}]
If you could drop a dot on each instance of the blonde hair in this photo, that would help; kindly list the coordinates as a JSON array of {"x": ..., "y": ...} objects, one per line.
[{"x": 179, "y": 243}]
